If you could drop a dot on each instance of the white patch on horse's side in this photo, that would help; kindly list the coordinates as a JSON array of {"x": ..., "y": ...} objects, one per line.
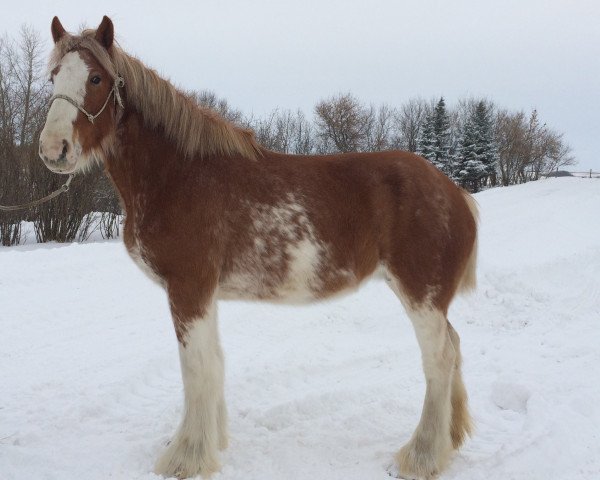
[
  {"x": 302, "y": 279},
  {"x": 295, "y": 250},
  {"x": 194, "y": 448}
]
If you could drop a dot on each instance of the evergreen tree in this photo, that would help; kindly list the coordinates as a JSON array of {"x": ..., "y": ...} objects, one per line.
[
  {"x": 477, "y": 155},
  {"x": 435, "y": 140},
  {"x": 426, "y": 139},
  {"x": 441, "y": 129},
  {"x": 489, "y": 156}
]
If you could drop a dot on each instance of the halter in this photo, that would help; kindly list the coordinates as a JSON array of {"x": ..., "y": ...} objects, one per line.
[{"x": 118, "y": 83}]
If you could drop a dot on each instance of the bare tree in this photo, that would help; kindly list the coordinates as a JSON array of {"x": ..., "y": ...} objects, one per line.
[
  {"x": 547, "y": 149},
  {"x": 511, "y": 140},
  {"x": 264, "y": 129},
  {"x": 380, "y": 133},
  {"x": 208, "y": 98},
  {"x": 559, "y": 154},
  {"x": 284, "y": 131},
  {"x": 23, "y": 95},
  {"x": 409, "y": 118},
  {"x": 10, "y": 223},
  {"x": 304, "y": 135},
  {"x": 528, "y": 148},
  {"x": 342, "y": 123},
  {"x": 65, "y": 218}
]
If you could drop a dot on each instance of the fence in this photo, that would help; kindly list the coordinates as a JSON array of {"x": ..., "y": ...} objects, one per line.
[
  {"x": 590, "y": 174},
  {"x": 566, "y": 173}
]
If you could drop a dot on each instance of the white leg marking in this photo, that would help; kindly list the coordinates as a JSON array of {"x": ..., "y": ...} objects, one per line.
[
  {"x": 194, "y": 449},
  {"x": 429, "y": 448}
]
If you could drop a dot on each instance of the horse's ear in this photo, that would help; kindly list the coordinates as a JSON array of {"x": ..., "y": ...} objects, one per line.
[
  {"x": 57, "y": 30},
  {"x": 105, "y": 32}
]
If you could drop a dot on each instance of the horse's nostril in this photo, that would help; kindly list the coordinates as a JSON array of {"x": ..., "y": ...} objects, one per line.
[{"x": 65, "y": 148}]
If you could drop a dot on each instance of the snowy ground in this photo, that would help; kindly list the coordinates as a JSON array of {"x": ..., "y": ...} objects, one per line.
[{"x": 90, "y": 386}]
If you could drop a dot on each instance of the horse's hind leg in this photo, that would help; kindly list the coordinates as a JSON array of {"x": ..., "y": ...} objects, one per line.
[
  {"x": 428, "y": 451},
  {"x": 194, "y": 448},
  {"x": 461, "y": 424}
]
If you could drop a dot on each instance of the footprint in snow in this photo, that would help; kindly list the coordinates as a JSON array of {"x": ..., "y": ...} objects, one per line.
[{"x": 510, "y": 396}]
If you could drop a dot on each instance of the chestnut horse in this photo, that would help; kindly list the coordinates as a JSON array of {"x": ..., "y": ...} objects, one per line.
[{"x": 211, "y": 215}]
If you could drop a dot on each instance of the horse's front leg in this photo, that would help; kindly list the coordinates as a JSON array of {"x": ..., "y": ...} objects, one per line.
[{"x": 194, "y": 448}]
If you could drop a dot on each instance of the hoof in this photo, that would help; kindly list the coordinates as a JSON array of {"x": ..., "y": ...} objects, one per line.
[
  {"x": 414, "y": 461},
  {"x": 185, "y": 458}
]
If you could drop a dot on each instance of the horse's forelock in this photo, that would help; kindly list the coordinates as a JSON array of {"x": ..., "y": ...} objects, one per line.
[{"x": 85, "y": 41}]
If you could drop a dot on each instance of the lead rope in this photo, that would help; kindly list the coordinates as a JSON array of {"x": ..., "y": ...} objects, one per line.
[{"x": 55, "y": 193}]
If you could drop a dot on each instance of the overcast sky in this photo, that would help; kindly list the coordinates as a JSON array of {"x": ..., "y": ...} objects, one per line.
[{"x": 262, "y": 54}]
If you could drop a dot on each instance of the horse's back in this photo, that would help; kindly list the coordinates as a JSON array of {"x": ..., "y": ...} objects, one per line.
[{"x": 321, "y": 225}]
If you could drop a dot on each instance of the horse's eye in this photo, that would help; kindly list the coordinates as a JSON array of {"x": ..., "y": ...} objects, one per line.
[{"x": 95, "y": 80}]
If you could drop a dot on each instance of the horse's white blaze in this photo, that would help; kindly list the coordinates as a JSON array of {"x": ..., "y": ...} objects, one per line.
[
  {"x": 203, "y": 428},
  {"x": 70, "y": 81}
]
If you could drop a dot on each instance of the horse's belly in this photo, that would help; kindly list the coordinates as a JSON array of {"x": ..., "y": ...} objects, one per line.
[{"x": 299, "y": 273}]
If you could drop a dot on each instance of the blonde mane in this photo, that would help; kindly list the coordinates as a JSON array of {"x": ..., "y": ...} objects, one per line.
[{"x": 196, "y": 130}]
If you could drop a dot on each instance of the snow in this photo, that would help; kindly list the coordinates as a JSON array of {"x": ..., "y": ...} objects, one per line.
[{"x": 90, "y": 385}]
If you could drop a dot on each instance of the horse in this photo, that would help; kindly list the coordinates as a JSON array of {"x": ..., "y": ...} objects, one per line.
[{"x": 211, "y": 215}]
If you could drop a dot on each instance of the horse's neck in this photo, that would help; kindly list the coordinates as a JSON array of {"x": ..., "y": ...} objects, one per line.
[{"x": 142, "y": 162}]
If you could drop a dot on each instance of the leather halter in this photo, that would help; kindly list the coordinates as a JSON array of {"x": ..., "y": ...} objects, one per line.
[{"x": 118, "y": 83}]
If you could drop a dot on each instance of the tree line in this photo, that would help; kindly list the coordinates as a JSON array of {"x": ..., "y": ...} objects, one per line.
[{"x": 476, "y": 143}]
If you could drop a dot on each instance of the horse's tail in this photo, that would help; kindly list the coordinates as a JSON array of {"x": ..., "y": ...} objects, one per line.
[{"x": 468, "y": 281}]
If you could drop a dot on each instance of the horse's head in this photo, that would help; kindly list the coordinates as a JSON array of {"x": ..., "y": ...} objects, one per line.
[{"x": 86, "y": 97}]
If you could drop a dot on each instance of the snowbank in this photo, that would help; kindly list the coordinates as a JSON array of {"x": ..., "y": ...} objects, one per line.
[{"x": 90, "y": 385}]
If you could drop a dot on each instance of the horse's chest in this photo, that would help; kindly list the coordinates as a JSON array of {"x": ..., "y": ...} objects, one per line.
[{"x": 141, "y": 256}]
